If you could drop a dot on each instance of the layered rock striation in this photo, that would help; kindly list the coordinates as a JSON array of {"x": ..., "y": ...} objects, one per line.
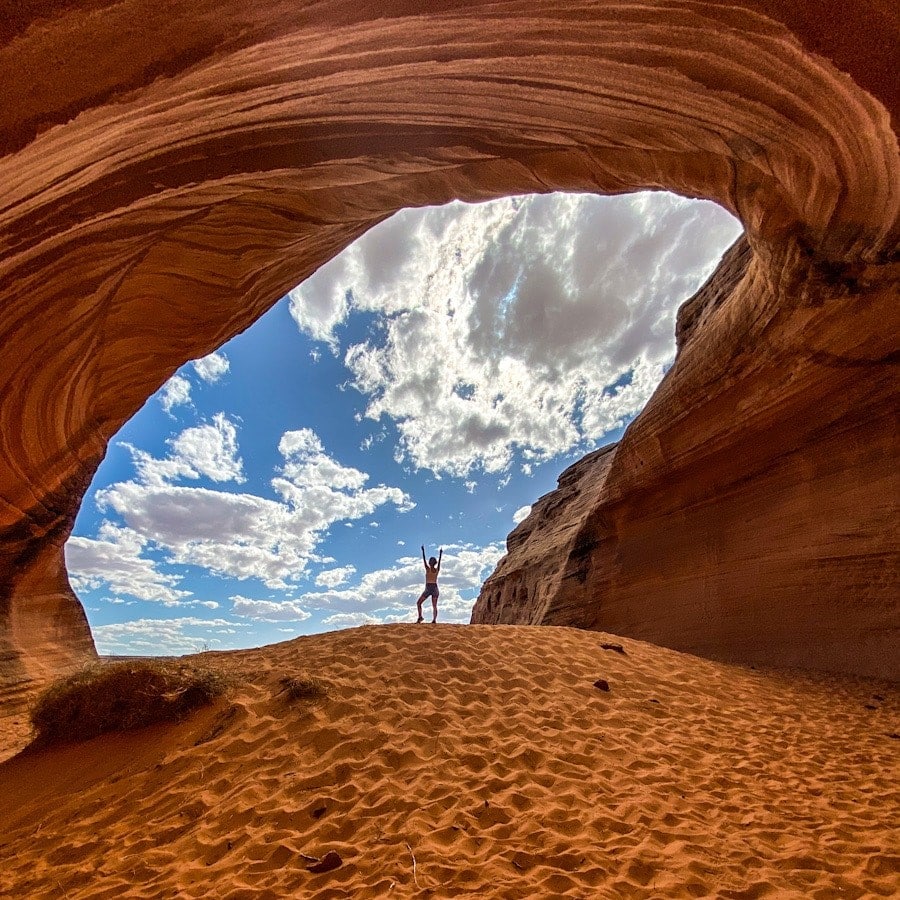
[
  {"x": 543, "y": 550},
  {"x": 750, "y": 512},
  {"x": 169, "y": 171}
]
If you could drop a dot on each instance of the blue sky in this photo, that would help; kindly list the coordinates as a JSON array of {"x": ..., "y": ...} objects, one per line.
[{"x": 425, "y": 386}]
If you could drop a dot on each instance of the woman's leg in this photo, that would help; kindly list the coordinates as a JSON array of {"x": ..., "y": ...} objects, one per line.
[{"x": 419, "y": 603}]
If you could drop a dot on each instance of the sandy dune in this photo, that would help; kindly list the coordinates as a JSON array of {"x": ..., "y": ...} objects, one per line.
[{"x": 474, "y": 761}]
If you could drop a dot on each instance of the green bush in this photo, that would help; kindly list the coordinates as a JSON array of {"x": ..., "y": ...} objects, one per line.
[{"x": 121, "y": 696}]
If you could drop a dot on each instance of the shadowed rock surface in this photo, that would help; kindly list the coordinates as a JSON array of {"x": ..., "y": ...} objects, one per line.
[
  {"x": 170, "y": 171},
  {"x": 763, "y": 531}
]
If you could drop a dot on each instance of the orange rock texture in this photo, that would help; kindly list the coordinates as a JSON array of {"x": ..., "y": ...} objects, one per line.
[
  {"x": 170, "y": 170},
  {"x": 752, "y": 518}
]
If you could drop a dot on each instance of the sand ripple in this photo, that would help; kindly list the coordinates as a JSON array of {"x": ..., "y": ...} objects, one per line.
[{"x": 474, "y": 761}]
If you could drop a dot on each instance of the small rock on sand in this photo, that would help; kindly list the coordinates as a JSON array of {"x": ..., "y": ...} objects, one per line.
[{"x": 330, "y": 861}]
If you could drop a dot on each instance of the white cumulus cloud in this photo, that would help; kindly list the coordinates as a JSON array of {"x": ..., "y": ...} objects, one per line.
[
  {"x": 521, "y": 514},
  {"x": 237, "y": 534},
  {"x": 268, "y": 610},
  {"x": 114, "y": 558},
  {"x": 209, "y": 450},
  {"x": 175, "y": 392},
  {"x": 212, "y": 367},
  {"x": 529, "y": 324},
  {"x": 334, "y": 577},
  {"x": 351, "y": 620}
]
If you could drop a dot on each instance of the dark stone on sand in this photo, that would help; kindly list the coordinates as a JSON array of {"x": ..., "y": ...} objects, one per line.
[
  {"x": 328, "y": 863},
  {"x": 601, "y": 684},
  {"x": 318, "y": 812},
  {"x": 616, "y": 648}
]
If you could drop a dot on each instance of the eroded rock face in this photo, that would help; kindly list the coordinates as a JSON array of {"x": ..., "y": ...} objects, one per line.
[
  {"x": 749, "y": 513},
  {"x": 543, "y": 550},
  {"x": 169, "y": 171}
]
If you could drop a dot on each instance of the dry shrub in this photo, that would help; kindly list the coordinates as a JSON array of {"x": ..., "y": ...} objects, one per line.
[
  {"x": 121, "y": 696},
  {"x": 303, "y": 687}
]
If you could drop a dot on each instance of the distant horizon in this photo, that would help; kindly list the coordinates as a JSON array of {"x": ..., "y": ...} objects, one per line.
[{"x": 425, "y": 386}]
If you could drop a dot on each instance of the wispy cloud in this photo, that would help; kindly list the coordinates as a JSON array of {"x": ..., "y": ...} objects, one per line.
[
  {"x": 114, "y": 559},
  {"x": 177, "y": 390},
  {"x": 164, "y": 636},
  {"x": 209, "y": 450},
  {"x": 351, "y": 620}
]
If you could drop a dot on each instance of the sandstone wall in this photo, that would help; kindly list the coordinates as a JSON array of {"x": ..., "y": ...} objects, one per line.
[
  {"x": 170, "y": 170},
  {"x": 541, "y": 547},
  {"x": 754, "y": 519}
]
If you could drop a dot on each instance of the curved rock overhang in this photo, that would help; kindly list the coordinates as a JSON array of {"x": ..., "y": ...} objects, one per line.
[{"x": 170, "y": 170}]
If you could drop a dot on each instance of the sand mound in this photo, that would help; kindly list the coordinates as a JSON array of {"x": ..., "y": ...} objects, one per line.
[{"x": 473, "y": 761}]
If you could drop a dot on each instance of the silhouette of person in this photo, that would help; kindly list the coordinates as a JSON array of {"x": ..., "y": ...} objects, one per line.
[{"x": 432, "y": 569}]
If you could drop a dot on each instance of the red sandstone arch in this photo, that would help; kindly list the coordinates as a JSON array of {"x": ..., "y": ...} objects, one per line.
[{"x": 170, "y": 170}]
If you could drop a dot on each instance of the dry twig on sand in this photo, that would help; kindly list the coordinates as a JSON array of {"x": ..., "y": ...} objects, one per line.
[
  {"x": 302, "y": 688},
  {"x": 413, "y": 855}
]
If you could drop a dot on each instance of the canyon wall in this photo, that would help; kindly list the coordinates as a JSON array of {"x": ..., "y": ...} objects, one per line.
[
  {"x": 170, "y": 170},
  {"x": 754, "y": 521}
]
